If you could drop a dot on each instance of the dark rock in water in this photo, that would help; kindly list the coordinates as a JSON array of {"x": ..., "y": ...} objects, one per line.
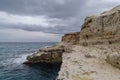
[
  {"x": 44, "y": 58},
  {"x": 48, "y": 55}
]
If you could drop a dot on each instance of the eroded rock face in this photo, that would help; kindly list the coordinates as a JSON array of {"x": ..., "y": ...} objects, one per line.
[
  {"x": 103, "y": 28},
  {"x": 71, "y": 38},
  {"x": 98, "y": 29},
  {"x": 48, "y": 55},
  {"x": 43, "y": 57},
  {"x": 86, "y": 61}
]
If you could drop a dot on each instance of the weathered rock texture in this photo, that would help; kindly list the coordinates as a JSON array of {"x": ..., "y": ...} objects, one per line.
[
  {"x": 90, "y": 62},
  {"x": 48, "y": 55},
  {"x": 71, "y": 38},
  {"x": 94, "y": 61},
  {"x": 114, "y": 59},
  {"x": 103, "y": 28},
  {"x": 98, "y": 29}
]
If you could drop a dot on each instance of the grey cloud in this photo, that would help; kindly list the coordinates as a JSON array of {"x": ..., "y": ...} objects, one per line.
[
  {"x": 40, "y": 7},
  {"x": 53, "y": 30},
  {"x": 71, "y": 12}
]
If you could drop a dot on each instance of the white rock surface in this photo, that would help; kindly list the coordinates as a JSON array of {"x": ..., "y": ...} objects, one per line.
[{"x": 76, "y": 66}]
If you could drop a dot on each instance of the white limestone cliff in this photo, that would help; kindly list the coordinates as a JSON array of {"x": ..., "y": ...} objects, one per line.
[
  {"x": 92, "y": 54},
  {"x": 97, "y": 53}
]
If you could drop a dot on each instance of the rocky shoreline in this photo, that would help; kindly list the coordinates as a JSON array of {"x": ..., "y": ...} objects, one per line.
[
  {"x": 49, "y": 55},
  {"x": 91, "y": 54}
]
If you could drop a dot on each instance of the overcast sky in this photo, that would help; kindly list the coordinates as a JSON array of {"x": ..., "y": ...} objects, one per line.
[{"x": 46, "y": 20}]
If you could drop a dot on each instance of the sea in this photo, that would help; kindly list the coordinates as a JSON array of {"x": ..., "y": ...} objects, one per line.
[{"x": 12, "y": 56}]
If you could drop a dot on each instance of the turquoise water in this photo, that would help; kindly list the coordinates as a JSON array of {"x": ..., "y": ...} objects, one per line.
[{"x": 12, "y": 55}]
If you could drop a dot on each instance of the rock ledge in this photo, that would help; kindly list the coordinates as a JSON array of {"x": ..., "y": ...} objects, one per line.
[{"x": 48, "y": 55}]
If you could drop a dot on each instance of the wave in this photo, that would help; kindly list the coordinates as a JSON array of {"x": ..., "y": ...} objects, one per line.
[{"x": 21, "y": 58}]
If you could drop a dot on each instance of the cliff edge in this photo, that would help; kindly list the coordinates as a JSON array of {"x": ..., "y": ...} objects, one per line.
[
  {"x": 91, "y": 54},
  {"x": 97, "y": 53},
  {"x": 103, "y": 28}
]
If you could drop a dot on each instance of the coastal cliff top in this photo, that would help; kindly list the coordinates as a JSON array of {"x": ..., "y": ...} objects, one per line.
[
  {"x": 113, "y": 10},
  {"x": 97, "y": 53},
  {"x": 89, "y": 63}
]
